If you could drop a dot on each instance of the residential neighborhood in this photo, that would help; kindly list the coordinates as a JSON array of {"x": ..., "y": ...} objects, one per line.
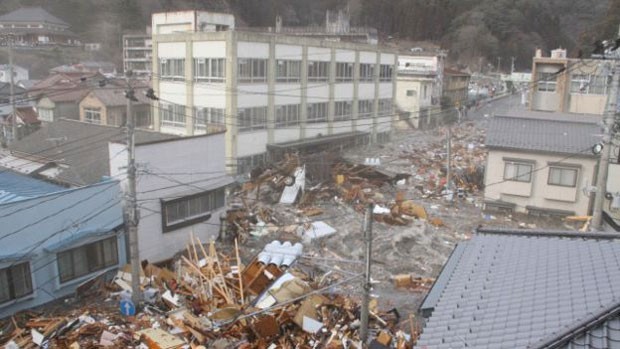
[{"x": 344, "y": 174}]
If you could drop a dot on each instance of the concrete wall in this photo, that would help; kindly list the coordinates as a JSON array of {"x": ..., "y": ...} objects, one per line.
[
  {"x": 187, "y": 21},
  {"x": 51, "y": 224},
  {"x": 537, "y": 192},
  {"x": 198, "y": 160},
  {"x": 413, "y": 104}
]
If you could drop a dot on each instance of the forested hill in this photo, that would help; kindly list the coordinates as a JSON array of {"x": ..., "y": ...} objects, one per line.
[{"x": 470, "y": 29}]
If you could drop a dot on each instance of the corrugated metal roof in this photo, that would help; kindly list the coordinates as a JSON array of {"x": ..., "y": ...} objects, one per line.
[
  {"x": 542, "y": 135},
  {"x": 15, "y": 187},
  {"x": 514, "y": 290}
]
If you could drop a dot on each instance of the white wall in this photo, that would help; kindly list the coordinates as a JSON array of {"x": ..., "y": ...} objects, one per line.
[
  {"x": 251, "y": 143},
  {"x": 319, "y": 54},
  {"x": 384, "y": 124},
  {"x": 344, "y": 91},
  {"x": 313, "y": 130},
  {"x": 252, "y": 50},
  {"x": 288, "y": 52},
  {"x": 252, "y": 95},
  {"x": 368, "y": 57},
  {"x": 199, "y": 160},
  {"x": 210, "y": 95},
  {"x": 387, "y": 58},
  {"x": 538, "y": 193},
  {"x": 342, "y": 126},
  {"x": 287, "y": 134},
  {"x": 171, "y": 50},
  {"x": 209, "y": 49},
  {"x": 345, "y": 56}
]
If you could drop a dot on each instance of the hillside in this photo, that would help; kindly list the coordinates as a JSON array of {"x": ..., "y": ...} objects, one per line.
[{"x": 475, "y": 31}]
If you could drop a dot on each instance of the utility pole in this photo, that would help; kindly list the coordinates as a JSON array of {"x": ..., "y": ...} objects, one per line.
[
  {"x": 449, "y": 164},
  {"x": 499, "y": 61},
  {"x": 131, "y": 206},
  {"x": 367, "y": 227},
  {"x": 512, "y": 65},
  {"x": 12, "y": 90},
  {"x": 603, "y": 163}
]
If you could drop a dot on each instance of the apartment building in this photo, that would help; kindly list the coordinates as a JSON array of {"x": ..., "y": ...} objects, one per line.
[
  {"x": 137, "y": 53},
  {"x": 265, "y": 88},
  {"x": 571, "y": 85}
]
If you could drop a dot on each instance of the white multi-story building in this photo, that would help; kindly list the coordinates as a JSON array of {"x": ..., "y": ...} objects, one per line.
[
  {"x": 266, "y": 88},
  {"x": 137, "y": 53}
]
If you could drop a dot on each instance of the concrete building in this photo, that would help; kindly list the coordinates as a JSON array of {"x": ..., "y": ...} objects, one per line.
[
  {"x": 540, "y": 165},
  {"x": 419, "y": 86},
  {"x": 19, "y": 73},
  {"x": 108, "y": 106},
  {"x": 53, "y": 238},
  {"x": 137, "y": 53},
  {"x": 571, "y": 85},
  {"x": 268, "y": 89},
  {"x": 181, "y": 190}
]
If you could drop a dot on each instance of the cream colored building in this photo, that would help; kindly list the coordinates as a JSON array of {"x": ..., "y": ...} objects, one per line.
[
  {"x": 268, "y": 89},
  {"x": 570, "y": 85},
  {"x": 540, "y": 166}
]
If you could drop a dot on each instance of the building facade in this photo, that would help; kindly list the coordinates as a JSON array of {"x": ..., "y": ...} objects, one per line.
[
  {"x": 33, "y": 26},
  {"x": 570, "y": 85},
  {"x": 19, "y": 73},
  {"x": 181, "y": 191},
  {"x": 269, "y": 89},
  {"x": 455, "y": 88},
  {"x": 419, "y": 87},
  {"x": 137, "y": 54},
  {"x": 55, "y": 238},
  {"x": 106, "y": 106}
]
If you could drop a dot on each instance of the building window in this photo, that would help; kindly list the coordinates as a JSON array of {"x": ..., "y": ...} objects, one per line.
[
  {"x": 562, "y": 176},
  {"x": 191, "y": 209},
  {"x": 546, "y": 82},
  {"x": 205, "y": 116},
  {"x": 385, "y": 73},
  {"x": 172, "y": 115},
  {"x": 245, "y": 164},
  {"x": 92, "y": 115},
  {"x": 517, "y": 171},
  {"x": 588, "y": 84},
  {"x": 252, "y": 118},
  {"x": 411, "y": 93},
  {"x": 365, "y": 109},
  {"x": 318, "y": 71},
  {"x": 385, "y": 107},
  {"x": 172, "y": 68},
  {"x": 287, "y": 115},
  {"x": 87, "y": 259},
  {"x": 343, "y": 110},
  {"x": 344, "y": 72},
  {"x": 288, "y": 71},
  {"x": 46, "y": 114},
  {"x": 317, "y": 112},
  {"x": 252, "y": 70},
  {"x": 367, "y": 72},
  {"x": 15, "y": 282},
  {"x": 209, "y": 69}
]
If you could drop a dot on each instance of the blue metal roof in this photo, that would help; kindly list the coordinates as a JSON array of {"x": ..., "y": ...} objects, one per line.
[{"x": 15, "y": 187}]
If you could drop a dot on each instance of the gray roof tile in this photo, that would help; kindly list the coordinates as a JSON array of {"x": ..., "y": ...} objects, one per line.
[
  {"x": 542, "y": 135},
  {"x": 514, "y": 291}
]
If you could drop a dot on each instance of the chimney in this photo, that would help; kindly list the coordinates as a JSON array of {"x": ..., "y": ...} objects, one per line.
[{"x": 538, "y": 53}]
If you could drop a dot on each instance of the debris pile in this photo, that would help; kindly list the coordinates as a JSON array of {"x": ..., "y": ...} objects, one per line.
[{"x": 212, "y": 300}]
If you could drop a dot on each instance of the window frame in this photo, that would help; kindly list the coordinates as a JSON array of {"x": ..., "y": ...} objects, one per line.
[
  {"x": 545, "y": 85},
  {"x": 386, "y": 73},
  {"x": 287, "y": 115},
  {"x": 575, "y": 170},
  {"x": 367, "y": 72},
  {"x": 249, "y": 72},
  {"x": 313, "y": 111},
  {"x": 209, "y": 69},
  {"x": 343, "y": 110},
  {"x": 212, "y": 202},
  {"x": 10, "y": 284},
  {"x": 91, "y": 249},
  {"x": 171, "y": 114},
  {"x": 365, "y": 108},
  {"x": 89, "y": 112},
  {"x": 248, "y": 119},
  {"x": 318, "y": 71},
  {"x": 288, "y": 70},
  {"x": 344, "y": 71},
  {"x": 172, "y": 69},
  {"x": 588, "y": 84},
  {"x": 516, "y": 178}
]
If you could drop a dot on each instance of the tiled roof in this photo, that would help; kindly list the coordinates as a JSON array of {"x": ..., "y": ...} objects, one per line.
[
  {"x": 32, "y": 14},
  {"x": 116, "y": 97},
  {"x": 82, "y": 146},
  {"x": 542, "y": 135},
  {"x": 515, "y": 290},
  {"x": 15, "y": 187}
]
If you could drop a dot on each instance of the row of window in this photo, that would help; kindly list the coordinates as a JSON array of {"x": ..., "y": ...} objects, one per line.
[
  {"x": 255, "y": 118},
  {"x": 191, "y": 209},
  {"x": 580, "y": 83},
  {"x": 253, "y": 70},
  {"x": 522, "y": 172},
  {"x": 16, "y": 280}
]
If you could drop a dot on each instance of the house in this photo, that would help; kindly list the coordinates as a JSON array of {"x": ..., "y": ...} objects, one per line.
[
  {"x": 138, "y": 53},
  {"x": 58, "y": 95},
  {"x": 182, "y": 185},
  {"x": 572, "y": 85},
  {"x": 108, "y": 106},
  {"x": 27, "y": 121},
  {"x": 526, "y": 289},
  {"x": 19, "y": 73},
  {"x": 540, "y": 163},
  {"x": 419, "y": 82},
  {"x": 106, "y": 69},
  {"x": 76, "y": 151},
  {"x": 54, "y": 238},
  {"x": 455, "y": 88},
  {"x": 33, "y": 26},
  {"x": 267, "y": 89},
  {"x": 19, "y": 93}
]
